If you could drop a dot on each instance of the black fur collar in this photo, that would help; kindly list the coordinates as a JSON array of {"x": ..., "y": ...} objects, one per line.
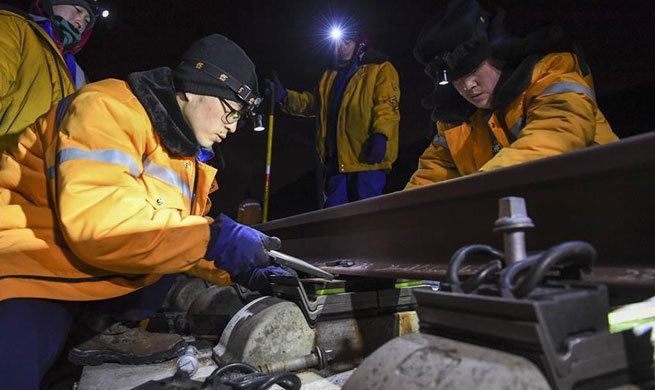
[
  {"x": 370, "y": 56},
  {"x": 156, "y": 92},
  {"x": 513, "y": 82}
]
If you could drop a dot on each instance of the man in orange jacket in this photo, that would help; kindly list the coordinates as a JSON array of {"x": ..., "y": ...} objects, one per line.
[
  {"x": 501, "y": 100},
  {"x": 104, "y": 197}
]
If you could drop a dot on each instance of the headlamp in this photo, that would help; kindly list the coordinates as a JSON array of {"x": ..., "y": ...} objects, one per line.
[
  {"x": 98, "y": 11},
  {"x": 257, "y": 124},
  {"x": 336, "y": 33},
  {"x": 436, "y": 69},
  {"x": 444, "y": 78}
]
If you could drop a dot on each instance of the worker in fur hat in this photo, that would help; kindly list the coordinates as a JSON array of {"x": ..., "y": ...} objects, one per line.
[{"x": 501, "y": 100}]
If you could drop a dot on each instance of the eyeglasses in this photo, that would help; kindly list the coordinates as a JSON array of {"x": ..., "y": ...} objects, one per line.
[{"x": 232, "y": 116}]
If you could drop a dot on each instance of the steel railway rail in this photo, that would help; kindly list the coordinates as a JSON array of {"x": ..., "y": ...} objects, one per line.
[{"x": 603, "y": 195}]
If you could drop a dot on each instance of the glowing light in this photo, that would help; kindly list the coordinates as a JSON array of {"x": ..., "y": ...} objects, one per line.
[
  {"x": 104, "y": 13},
  {"x": 444, "y": 78},
  {"x": 336, "y": 33},
  {"x": 257, "y": 123},
  {"x": 331, "y": 31}
]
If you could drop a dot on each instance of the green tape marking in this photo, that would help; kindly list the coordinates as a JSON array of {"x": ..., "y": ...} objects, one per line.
[
  {"x": 410, "y": 283},
  {"x": 329, "y": 291}
]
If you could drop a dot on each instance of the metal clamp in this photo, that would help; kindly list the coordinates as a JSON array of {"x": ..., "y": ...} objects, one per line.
[{"x": 292, "y": 289}]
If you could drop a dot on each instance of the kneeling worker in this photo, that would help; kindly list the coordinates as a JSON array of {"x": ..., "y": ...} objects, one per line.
[
  {"x": 103, "y": 198},
  {"x": 501, "y": 100}
]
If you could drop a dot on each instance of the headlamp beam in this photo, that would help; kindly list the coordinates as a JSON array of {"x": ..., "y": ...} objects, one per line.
[{"x": 336, "y": 33}]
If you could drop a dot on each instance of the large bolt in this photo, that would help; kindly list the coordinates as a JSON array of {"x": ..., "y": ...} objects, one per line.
[
  {"x": 512, "y": 221},
  {"x": 296, "y": 364},
  {"x": 318, "y": 358}
]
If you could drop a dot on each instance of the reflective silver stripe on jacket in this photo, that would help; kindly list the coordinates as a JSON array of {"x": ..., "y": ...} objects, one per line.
[
  {"x": 80, "y": 77},
  {"x": 563, "y": 87},
  {"x": 167, "y": 175},
  {"x": 518, "y": 126},
  {"x": 441, "y": 141},
  {"x": 109, "y": 156}
]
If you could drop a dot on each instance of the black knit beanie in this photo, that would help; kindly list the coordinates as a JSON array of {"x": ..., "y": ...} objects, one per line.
[
  {"x": 79, "y": 3},
  {"x": 197, "y": 72}
]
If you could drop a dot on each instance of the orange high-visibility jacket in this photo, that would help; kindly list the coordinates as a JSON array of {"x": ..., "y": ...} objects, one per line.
[
  {"x": 101, "y": 207},
  {"x": 557, "y": 113},
  {"x": 33, "y": 75}
]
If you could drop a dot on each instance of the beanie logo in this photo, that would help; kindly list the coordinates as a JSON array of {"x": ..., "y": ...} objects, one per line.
[
  {"x": 223, "y": 77},
  {"x": 199, "y": 65}
]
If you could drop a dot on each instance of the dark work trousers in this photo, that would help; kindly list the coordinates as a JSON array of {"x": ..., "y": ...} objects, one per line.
[
  {"x": 349, "y": 187},
  {"x": 33, "y": 332}
]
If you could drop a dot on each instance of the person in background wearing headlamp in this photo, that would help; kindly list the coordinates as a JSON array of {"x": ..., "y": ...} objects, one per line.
[
  {"x": 501, "y": 100},
  {"x": 104, "y": 199},
  {"x": 358, "y": 116},
  {"x": 37, "y": 63}
]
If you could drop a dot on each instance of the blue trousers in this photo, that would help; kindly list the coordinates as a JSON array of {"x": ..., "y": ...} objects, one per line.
[
  {"x": 33, "y": 332},
  {"x": 343, "y": 188}
]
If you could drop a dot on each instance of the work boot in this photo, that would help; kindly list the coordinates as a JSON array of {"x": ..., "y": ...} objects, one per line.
[{"x": 121, "y": 344}]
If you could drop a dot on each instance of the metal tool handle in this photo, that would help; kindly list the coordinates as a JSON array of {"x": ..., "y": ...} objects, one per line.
[{"x": 299, "y": 265}]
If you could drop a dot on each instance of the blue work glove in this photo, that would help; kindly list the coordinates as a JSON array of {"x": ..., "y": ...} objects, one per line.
[
  {"x": 237, "y": 248},
  {"x": 280, "y": 93},
  {"x": 377, "y": 148},
  {"x": 259, "y": 278}
]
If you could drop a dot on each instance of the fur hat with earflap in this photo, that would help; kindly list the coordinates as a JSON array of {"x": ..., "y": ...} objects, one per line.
[{"x": 462, "y": 35}]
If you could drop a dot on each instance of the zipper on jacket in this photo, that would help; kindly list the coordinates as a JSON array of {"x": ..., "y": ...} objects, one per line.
[{"x": 195, "y": 185}]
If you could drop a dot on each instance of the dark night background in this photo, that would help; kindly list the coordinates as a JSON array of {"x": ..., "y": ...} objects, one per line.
[{"x": 288, "y": 35}]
